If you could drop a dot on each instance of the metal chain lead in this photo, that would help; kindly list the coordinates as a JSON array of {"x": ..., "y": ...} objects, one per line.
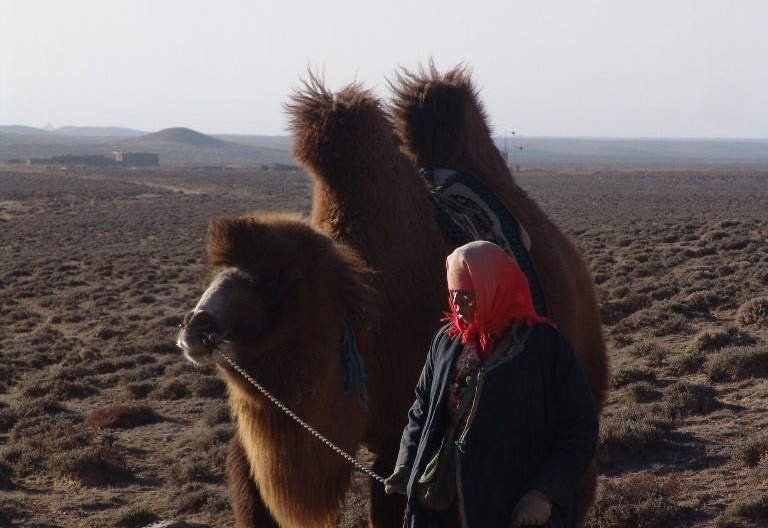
[{"x": 301, "y": 422}]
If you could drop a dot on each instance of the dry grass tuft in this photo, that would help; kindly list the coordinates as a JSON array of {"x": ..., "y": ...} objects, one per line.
[
  {"x": 139, "y": 390},
  {"x": 652, "y": 353},
  {"x": 209, "y": 387},
  {"x": 92, "y": 466},
  {"x": 618, "y": 309},
  {"x": 687, "y": 363},
  {"x": 642, "y": 392},
  {"x": 748, "y": 511},
  {"x": 8, "y": 418},
  {"x": 198, "y": 467},
  {"x": 753, "y": 452},
  {"x": 134, "y": 516},
  {"x": 121, "y": 416},
  {"x": 193, "y": 498},
  {"x": 640, "y": 500},
  {"x": 626, "y": 376},
  {"x": 6, "y": 477},
  {"x": 171, "y": 389},
  {"x": 682, "y": 399},
  {"x": 714, "y": 339},
  {"x": 634, "y": 429},
  {"x": 753, "y": 312},
  {"x": 736, "y": 363}
]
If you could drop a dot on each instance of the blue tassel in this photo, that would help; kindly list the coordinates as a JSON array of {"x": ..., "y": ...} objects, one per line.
[{"x": 353, "y": 365}]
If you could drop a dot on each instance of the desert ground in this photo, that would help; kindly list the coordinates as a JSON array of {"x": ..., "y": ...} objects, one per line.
[{"x": 103, "y": 423}]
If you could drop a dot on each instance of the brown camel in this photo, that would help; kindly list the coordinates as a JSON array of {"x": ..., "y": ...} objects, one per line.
[
  {"x": 441, "y": 123},
  {"x": 283, "y": 289},
  {"x": 267, "y": 287}
]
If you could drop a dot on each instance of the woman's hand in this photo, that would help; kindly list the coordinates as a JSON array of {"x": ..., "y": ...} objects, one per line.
[
  {"x": 397, "y": 482},
  {"x": 533, "y": 509}
]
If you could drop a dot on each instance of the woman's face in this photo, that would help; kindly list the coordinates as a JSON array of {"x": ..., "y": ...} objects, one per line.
[{"x": 464, "y": 304}]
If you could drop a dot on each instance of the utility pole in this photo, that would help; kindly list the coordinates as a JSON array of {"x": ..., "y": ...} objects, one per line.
[{"x": 507, "y": 132}]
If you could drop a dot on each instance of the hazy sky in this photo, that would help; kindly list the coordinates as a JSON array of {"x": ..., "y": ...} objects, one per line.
[{"x": 626, "y": 68}]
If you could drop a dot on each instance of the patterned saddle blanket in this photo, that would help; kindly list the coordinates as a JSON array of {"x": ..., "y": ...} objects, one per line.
[{"x": 466, "y": 210}]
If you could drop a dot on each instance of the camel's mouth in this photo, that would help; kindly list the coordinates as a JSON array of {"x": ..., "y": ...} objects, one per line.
[
  {"x": 198, "y": 338},
  {"x": 197, "y": 348}
]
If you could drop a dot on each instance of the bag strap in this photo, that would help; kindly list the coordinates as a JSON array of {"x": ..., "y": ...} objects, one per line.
[{"x": 504, "y": 351}]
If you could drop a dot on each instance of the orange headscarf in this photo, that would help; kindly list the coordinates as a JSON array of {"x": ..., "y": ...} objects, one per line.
[{"x": 502, "y": 294}]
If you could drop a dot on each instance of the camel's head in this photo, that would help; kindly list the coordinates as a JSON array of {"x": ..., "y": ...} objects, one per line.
[
  {"x": 236, "y": 308},
  {"x": 275, "y": 281}
]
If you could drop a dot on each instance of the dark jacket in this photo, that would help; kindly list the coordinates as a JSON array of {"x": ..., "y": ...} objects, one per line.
[{"x": 535, "y": 427}]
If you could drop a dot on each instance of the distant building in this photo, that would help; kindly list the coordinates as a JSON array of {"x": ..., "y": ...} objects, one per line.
[
  {"x": 284, "y": 167},
  {"x": 136, "y": 159},
  {"x": 83, "y": 160}
]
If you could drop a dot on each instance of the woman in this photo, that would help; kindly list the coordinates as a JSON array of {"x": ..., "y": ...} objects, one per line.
[{"x": 521, "y": 445}]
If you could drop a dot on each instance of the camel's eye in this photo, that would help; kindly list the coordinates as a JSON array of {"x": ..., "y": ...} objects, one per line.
[{"x": 264, "y": 280}]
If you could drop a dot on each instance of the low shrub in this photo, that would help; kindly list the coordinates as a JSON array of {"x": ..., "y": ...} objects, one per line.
[
  {"x": 748, "y": 510},
  {"x": 640, "y": 500},
  {"x": 209, "y": 387},
  {"x": 642, "y": 392},
  {"x": 139, "y": 390},
  {"x": 121, "y": 416},
  {"x": 735, "y": 363},
  {"x": 8, "y": 418},
  {"x": 217, "y": 414},
  {"x": 682, "y": 399},
  {"x": 192, "y": 498},
  {"x": 753, "y": 312},
  {"x": 652, "y": 353},
  {"x": 134, "y": 516},
  {"x": 634, "y": 429},
  {"x": 714, "y": 339},
  {"x": 618, "y": 309},
  {"x": 91, "y": 465},
  {"x": 197, "y": 467},
  {"x": 632, "y": 375},
  {"x": 173, "y": 389},
  {"x": 753, "y": 451},
  {"x": 6, "y": 476},
  {"x": 663, "y": 293},
  {"x": 686, "y": 363}
]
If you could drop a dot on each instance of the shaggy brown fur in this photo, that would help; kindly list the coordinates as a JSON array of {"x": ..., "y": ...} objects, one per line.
[
  {"x": 278, "y": 474},
  {"x": 442, "y": 123},
  {"x": 370, "y": 196}
]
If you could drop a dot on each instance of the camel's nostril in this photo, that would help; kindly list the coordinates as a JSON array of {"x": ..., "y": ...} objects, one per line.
[{"x": 200, "y": 321}]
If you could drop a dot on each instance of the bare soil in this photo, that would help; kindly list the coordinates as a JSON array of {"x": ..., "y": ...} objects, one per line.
[{"x": 103, "y": 423}]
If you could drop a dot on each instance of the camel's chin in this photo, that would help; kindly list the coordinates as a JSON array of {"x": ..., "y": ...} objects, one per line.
[
  {"x": 202, "y": 358},
  {"x": 202, "y": 355}
]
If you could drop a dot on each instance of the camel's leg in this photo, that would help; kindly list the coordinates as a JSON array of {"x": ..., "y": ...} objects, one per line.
[
  {"x": 385, "y": 511},
  {"x": 249, "y": 509},
  {"x": 587, "y": 491}
]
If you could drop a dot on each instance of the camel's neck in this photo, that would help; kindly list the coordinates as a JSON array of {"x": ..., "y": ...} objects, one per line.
[{"x": 284, "y": 457}]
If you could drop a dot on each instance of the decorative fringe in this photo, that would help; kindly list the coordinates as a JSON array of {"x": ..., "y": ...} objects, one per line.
[{"x": 353, "y": 365}]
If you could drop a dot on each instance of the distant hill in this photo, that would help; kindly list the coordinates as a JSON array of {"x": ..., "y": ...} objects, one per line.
[
  {"x": 97, "y": 131},
  {"x": 21, "y": 129},
  {"x": 184, "y": 146},
  {"x": 177, "y": 136}
]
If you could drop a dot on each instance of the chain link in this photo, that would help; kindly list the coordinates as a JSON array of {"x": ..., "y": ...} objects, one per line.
[{"x": 358, "y": 465}]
